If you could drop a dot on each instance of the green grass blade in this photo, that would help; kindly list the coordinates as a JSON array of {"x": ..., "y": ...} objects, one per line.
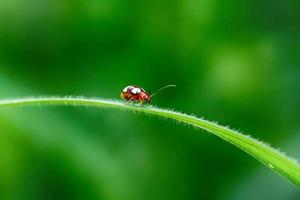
[{"x": 272, "y": 158}]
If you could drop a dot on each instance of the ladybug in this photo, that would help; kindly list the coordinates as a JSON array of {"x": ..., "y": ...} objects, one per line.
[{"x": 136, "y": 93}]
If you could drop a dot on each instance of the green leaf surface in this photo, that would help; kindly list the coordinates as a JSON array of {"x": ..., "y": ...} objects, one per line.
[{"x": 272, "y": 158}]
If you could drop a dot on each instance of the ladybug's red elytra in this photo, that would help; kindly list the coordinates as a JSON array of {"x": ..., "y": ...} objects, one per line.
[{"x": 136, "y": 93}]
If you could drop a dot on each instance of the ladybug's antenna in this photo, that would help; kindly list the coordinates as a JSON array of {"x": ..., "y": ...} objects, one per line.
[{"x": 162, "y": 88}]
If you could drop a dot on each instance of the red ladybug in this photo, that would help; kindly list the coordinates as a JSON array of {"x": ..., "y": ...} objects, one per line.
[{"x": 136, "y": 93}]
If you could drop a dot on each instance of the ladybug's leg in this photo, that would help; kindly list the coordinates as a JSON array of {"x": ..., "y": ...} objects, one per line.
[
  {"x": 131, "y": 100},
  {"x": 146, "y": 103},
  {"x": 128, "y": 100},
  {"x": 142, "y": 101}
]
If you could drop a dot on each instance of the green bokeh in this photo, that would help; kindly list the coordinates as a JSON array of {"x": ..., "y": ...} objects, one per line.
[{"x": 235, "y": 62}]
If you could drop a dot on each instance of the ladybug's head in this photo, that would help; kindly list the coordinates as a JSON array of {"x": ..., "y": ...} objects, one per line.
[
  {"x": 148, "y": 99},
  {"x": 144, "y": 96}
]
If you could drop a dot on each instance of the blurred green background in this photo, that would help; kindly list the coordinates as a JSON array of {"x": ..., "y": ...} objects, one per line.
[{"x": 235, "y": 62}]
